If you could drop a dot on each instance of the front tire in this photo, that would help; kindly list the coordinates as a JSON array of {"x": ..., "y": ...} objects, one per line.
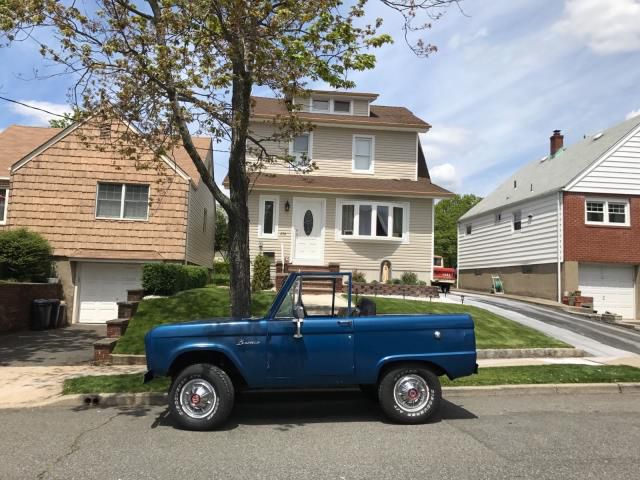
[
  {"x": 410, "y": 394},
  {"x": 201, "y": 397}
]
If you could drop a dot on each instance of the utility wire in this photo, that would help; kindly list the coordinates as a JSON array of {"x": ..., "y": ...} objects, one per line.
[{"x": 31, "y": 106}]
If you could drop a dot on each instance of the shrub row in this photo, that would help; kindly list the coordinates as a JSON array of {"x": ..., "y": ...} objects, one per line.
[
  {"x": 407, "y": 278},
  {"x": 24, "y": 256},
  {"x": 170, "y": 278}
]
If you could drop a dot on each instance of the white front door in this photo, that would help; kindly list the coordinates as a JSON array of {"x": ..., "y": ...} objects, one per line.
[
  {"x": 102, "y": 286},
  {"x": 308, "y": 231},
  {"x": 611, "y": 286}
]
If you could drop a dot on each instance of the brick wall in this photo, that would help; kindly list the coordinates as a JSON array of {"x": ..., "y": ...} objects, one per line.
[
  {"x": 592, "y": 243},
  {"x": 15, "y": 302}
]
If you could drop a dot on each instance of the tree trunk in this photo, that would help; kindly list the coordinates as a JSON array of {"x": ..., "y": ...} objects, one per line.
[{"x": 239, "y": 260}]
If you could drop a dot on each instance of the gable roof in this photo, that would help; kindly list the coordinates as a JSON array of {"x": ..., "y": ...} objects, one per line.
[
  {"x": 552, "y": 174},
  {"x": 381, "y": 116},
  {"x": 17, "y": 141}
]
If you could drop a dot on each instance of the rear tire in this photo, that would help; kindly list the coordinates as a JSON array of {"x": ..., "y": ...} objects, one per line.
[
  {"x": 410, "y": 394},
  {"x": 201, "y": 397}
]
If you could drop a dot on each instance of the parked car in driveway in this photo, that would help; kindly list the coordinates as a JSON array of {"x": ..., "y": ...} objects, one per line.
[{"x": 310, "y": 340}]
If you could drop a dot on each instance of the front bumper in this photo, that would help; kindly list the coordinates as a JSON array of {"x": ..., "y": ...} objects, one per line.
[{"x": 148, "y": 376}]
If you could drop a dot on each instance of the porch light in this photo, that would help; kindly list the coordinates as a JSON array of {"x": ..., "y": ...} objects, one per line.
[{"x": 286, "y": 206}]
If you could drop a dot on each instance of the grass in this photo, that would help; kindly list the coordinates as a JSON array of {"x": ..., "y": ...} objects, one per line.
[
  {"x": 189, "y": 305},
  {"x": 540, "y": 374},
  {"x": 492, "y": 331},
  {"x": 125, "y": 383},
  {"x": 526, "y": 375}
]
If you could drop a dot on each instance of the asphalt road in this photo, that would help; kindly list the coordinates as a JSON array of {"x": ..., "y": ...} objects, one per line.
[
  {"x": 333, "y": 436},
  {"x": 611, "y": 335}
]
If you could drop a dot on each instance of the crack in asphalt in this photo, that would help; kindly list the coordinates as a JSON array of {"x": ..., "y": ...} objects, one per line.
[{"x": 75, "y": 446}]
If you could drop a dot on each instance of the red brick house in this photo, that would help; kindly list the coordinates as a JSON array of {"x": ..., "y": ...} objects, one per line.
[{"x": 565, "y": 222}]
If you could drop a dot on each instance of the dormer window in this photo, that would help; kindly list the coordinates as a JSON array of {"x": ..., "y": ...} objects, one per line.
[
  {"x": 342, "y": 106},
  {"x": 320, "y": 105}
]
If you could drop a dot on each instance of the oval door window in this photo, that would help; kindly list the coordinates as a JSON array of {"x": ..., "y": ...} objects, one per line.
[{"x": 308, "y": 222}]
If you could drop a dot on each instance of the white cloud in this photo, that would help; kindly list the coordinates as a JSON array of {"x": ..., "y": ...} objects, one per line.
[
  {"x": 38, "y": 117},
  {"x": 445, "y": 175},
  {"x": 632, "y": 113},
  {"x": 605, "y": 26},
  {"x": 457, "y": 40}
]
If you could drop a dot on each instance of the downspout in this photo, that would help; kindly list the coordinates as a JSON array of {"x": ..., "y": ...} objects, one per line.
[
  {"x": 458, "y": 254},
  {"x": 433, "y": 239},
  {"x": 560, "y": 238}
]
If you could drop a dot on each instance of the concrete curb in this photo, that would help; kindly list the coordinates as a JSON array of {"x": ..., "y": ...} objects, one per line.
[
  {"x": 491, "y": 353},
  {"x": 125, "y": 359},
  {"x": 106, "y": 400}
]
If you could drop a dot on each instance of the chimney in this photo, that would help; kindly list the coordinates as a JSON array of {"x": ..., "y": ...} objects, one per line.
[{"x": 557, "y": 141}]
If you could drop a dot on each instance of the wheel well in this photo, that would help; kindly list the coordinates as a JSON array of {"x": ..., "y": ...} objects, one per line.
[
  {"x": 435, "y": 368},
  {"x": 218, "y": 359}
]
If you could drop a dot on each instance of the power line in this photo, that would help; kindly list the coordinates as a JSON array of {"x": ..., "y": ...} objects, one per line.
[{"x": 31, "y": 106}]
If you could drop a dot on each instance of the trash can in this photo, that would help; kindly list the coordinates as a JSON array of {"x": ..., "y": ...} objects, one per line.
[
  {"x": 40, "y": 314},
  {"x": 61, "y": 321},
  {"x": 55, "y": 309}
]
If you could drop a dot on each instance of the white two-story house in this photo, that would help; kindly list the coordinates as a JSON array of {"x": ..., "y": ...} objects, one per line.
[{"x": 369, "y": 204}]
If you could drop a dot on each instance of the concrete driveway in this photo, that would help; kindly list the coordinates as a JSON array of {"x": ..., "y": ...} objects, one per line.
[{"x": 63, "y": 346}]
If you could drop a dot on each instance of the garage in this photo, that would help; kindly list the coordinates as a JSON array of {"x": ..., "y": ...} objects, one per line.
[
  {"x": 611, "y": 286},
  {"x": 102, "y": 285}
]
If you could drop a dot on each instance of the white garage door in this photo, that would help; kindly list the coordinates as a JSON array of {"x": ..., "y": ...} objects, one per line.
[
  {"x": 611, "y": 286},
  {"x": 102, "y": 285}
]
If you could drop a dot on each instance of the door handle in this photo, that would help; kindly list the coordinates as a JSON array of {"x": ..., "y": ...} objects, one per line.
[{"x": 345, "y": 323}]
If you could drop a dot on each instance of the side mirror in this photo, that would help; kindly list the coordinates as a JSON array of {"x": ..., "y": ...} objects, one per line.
[{"x": 298, "y": 312}]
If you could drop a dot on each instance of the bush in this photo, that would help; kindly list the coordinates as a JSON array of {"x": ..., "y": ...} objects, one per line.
[
  {"x": 220, "y": 268},
  {"x": 396, "y": 281},
  {"x": 409, "y": 278},
  {"x": 171, "y": 278},
  {"x": 220, "y": 279},
  {"x": 261, "y": 274},
  {"x": 358, "y": 277},
  {"x": 24, "y": 256},
  {"x": 422, "y": 282}
]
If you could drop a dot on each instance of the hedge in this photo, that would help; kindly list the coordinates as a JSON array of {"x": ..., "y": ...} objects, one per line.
[
  {"x": 24, "y": 256},
  {"x": 171, "y": 278}
]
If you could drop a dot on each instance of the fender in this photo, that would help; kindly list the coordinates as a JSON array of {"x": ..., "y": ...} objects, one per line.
[
  {"x": 207, "y": 347},
  {"x": 456, "y": 362}
]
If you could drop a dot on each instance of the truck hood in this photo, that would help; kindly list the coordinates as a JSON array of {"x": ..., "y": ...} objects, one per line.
[{"x": 205, "y": 327}]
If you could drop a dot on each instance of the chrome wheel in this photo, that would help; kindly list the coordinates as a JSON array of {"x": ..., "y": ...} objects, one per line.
[
  {"x": 411, "y": 393},
  {"x": 198, "y": 398}
]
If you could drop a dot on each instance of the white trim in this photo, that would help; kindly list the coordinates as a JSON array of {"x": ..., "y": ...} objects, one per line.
[
  {"x": 408, "y": 195},
  {"x": 417, "y": 147},
  {"x": 123, "y": 186},
  {"x": 601, "y": 159},
  {"x": 560, "y": 243},
  {"x": 433, "y": 238},
  {"x": 6, "y": 205},
  {"x": 374, "y": 204},
  {"x": 5, "y": 178},
  {"x": 276, "y": 210},
  {"x": 605, "y": 211},
  {"x": 323, "y": 215},
  {"x": 351, "y": 124},
  {"x": 372, "y": 158}
]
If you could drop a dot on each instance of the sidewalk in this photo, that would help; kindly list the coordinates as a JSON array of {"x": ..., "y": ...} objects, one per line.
[{"x": 37, "y": 386}]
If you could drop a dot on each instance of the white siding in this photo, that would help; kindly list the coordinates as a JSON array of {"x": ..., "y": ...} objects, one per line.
[
  {"x": 332, "y": 147},
  {"x": 361, "y": 107},
  {"x": 619, "y": 172},
  {"x": 364, "y": 256},
  {"x": 494, "y": 244}
]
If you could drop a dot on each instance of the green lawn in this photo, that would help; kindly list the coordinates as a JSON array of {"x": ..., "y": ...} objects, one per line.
[
  {"x": 492, "y": 331},
  {"x": 189, "y": 305},
  {"x": 527, "y": 375},
  {"x": 539, "y": 374}
]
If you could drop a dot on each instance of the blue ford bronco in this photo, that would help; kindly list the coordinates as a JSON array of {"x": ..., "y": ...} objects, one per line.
[{"x": 311, "y": 337}]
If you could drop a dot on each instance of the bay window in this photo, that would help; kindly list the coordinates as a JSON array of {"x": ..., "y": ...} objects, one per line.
[{"x": 371, "y": 220}]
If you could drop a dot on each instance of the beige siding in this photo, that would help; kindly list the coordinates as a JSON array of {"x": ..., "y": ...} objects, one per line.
[
  {"x": 200, "y": 233},
  {"x": 332, "y": 148},
  {"x": 361, "y": 107},
  {"x": 55, "y": 195},
  {"x": 364, "y": 256}
]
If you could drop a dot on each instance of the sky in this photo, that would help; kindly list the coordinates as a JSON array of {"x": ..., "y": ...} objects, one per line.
[{"x": 507, "y": 73}]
